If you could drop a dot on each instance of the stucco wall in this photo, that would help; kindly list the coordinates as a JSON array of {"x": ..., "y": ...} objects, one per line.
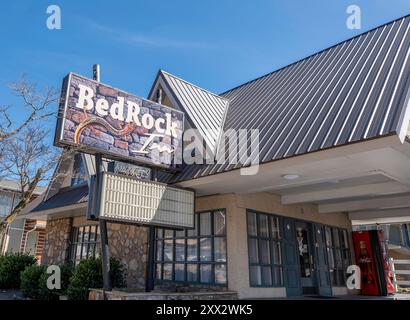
[{"x": 237, "y": 249}]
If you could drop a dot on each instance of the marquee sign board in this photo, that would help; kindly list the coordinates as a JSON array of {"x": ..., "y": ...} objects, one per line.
[
  {"x": 123, "y": 198},
  {"x": 101, "y": 119}
]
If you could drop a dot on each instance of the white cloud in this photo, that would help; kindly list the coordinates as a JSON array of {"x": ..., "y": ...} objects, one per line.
[{"x": 144, "y": 40}]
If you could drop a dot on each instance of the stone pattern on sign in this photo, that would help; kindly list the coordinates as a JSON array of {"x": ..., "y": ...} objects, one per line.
[{"x": 98, "y": 136}]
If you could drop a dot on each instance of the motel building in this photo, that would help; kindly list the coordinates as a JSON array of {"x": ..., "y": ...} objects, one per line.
[{"x": 334, "y": 156}]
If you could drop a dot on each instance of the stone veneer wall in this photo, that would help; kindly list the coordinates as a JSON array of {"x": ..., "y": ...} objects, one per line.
[
  {"x": 57, "y": 241},
  {"x": 188, "y": 287},
  {"x": 98, "y": 294},
  {"x": 129, "y": 243}
]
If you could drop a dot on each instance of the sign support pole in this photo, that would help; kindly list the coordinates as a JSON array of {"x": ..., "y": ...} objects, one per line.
[
  {"x": 149, "y": 284},
  {"x": 150, "y": 274},
  {"x": 105, "y": 253}
]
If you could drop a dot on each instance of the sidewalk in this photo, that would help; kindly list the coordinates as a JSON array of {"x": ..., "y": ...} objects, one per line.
[
  {"x": 397, "y": 296},
  {"x": 11, "y": 295}
]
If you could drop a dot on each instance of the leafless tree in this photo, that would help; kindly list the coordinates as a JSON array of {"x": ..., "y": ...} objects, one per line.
[
  {"x": 36, "y": 107},
  {"x": 25, "y": 155},
  {"x": 28, "y": 159}
]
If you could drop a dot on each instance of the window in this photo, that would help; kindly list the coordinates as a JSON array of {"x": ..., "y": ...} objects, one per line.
[
  {"x": 194, "y": 256},
  {"x": 79, "y": 175},
  {"x": 337, "y": 246},
  {"x": 6, "y": 203},
  {"x": 85, "y": 243},
  {"x": 264, "y": 248},
  {"x": 407, "y": 234}
]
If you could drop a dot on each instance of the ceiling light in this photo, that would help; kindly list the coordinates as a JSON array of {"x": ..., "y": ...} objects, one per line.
[{"x": 290, "y": 176}]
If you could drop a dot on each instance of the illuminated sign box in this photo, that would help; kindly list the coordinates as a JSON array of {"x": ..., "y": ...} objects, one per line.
[
  {"x": 128, "y": 199},
  {"x": 100, "y": 119}
]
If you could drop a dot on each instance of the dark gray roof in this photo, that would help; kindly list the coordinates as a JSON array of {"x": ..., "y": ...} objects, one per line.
[
  {"x": 353, "y": 91},
  {"x": 64, "y": 197}
]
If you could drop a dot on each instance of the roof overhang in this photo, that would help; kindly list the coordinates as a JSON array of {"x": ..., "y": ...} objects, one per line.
[
  {"x": 363, "y": 179},
  {"x": 74, "y": 210}
]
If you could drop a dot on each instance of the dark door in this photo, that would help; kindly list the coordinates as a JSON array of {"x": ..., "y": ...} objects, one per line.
[
  {"x": 321, "y": 265},
  {"x": 305, "y": 251},
  {"x": 290, "y": 259}
]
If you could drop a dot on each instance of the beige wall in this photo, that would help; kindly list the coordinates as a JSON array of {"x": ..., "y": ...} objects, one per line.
[{"x": 236, "y": 205}]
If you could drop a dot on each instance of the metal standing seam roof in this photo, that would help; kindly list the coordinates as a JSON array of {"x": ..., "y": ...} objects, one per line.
[
  {"x": 205, "y": 109},
  {"x": 350, "y": 92}
]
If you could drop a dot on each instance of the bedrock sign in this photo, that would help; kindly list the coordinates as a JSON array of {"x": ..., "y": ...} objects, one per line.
[{"x": 101, "y": 119}]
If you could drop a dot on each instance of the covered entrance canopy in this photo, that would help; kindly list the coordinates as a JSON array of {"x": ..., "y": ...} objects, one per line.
[{"x": 369, "y": 180}]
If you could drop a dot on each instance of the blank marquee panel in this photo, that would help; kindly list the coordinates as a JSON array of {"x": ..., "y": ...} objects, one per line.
[{"x": 145, "y": 202}]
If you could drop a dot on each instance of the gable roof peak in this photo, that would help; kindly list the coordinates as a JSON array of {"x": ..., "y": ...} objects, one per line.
[{"x": 191, "y": 84}]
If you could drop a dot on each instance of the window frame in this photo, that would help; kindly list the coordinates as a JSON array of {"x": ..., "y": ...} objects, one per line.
[
  {"x": 272, "y": 241},
  {"x": 75, "y": 243},
  {"x": 339, "y": 282},
  {"x": 212, "y": 236},
  {"x": 78, "y": 178},
  {"x": 341, "y": 248}
]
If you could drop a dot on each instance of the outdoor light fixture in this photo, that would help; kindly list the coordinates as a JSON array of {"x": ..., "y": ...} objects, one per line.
[{"x": 290, "y": 176}]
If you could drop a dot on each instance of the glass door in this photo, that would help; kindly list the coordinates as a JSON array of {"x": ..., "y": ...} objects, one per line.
[{"x": 305, "y": 252}]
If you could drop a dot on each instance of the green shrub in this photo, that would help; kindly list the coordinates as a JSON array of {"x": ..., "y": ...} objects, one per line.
[
  {"x": 11, "y": 265},
  {"x": 47, "y": 294},
  {"x": 118, "y": 273},
  {"x": 88, "y": 274},
  {"x": 34, "y": 282},
  {"x": 30, "y": 281}
]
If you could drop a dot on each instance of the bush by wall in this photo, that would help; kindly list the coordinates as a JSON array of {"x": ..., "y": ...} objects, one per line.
[
  {"x": 30, "y": 280},
  {"x": 47, "y": 294},
  {"x": 11, "y": 265},
  {"x": 88, "y": 274},
  {"x": 34, "y": 282}
]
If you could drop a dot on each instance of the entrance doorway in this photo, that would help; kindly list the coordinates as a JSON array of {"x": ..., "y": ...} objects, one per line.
[
  {"x": 305, "y": 259},
  {"x": 305, "y": 251}
]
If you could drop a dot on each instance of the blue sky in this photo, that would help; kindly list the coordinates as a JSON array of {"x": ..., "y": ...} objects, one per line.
[{"x": 214, "y": 44}]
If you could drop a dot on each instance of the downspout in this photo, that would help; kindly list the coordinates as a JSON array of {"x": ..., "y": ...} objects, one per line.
[{"x": 27, "y": 234}]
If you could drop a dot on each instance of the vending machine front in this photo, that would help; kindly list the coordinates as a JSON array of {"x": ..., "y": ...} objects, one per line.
[{"x": 372, "y": 258}]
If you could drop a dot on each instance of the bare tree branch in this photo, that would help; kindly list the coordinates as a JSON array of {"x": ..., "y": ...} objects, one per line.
[
  {"x": 29, "y": 160},
  {"x": 37, "y": 104}
]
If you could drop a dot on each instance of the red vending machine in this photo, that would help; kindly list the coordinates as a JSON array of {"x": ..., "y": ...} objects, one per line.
[{"x": 371, "y": 256}]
